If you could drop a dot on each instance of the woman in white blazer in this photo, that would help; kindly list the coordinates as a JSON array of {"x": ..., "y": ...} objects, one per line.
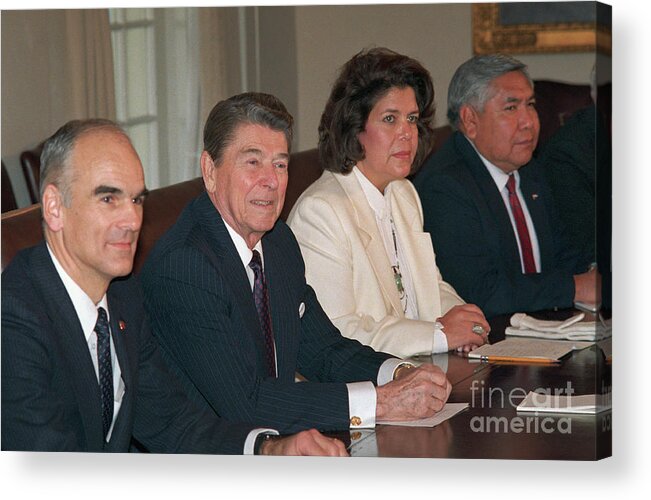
[{"x": 360, "y": 225}]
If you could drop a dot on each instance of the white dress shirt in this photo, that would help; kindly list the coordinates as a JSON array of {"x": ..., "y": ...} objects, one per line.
[
  {"x": 381, "y": 206},
  {"x": 87, "y": 314},
  {"x": 501, "y": 178},
  {"x": 362, "y": 398}
]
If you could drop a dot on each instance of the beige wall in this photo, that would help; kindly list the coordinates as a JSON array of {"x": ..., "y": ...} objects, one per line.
[
  {"x": 438, "y": 35},
  {"x": 300, "y": 50},
  {"x": 32, "y": 85}
]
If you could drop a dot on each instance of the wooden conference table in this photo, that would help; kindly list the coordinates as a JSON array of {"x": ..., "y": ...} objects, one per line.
[{"x": 491, "y": 427}]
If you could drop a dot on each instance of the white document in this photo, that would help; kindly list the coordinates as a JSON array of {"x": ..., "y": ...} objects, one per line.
[
  {"x": 551, "y": 403},
  {"x": 448, "y": 411},
  {"x": 513, "y": 349}
]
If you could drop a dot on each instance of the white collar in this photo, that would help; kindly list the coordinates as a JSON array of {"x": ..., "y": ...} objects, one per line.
[
  {"x": 84, "y": 307},
  {"x": 379, "y": 202},
  {"x": 242, "y": 248},
  {"x": 499, "y": 176}
]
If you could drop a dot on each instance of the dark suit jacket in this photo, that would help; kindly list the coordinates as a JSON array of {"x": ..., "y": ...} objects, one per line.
[
  {"x": 200, "y": 300},
  {"x": 50, "y": 394},
  {"x": 570, "y": 160},
  {"x": 475, "y": 245}
]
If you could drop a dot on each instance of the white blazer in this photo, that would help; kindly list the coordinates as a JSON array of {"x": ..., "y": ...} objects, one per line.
[{"x": 347, "y": 264}]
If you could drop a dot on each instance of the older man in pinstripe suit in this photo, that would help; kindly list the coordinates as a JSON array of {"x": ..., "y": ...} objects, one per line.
[{"x": 203, "y": 288}]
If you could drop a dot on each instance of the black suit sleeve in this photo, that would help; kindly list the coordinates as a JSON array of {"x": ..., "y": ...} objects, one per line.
[
  {"x": 574, "y": 195},
  {"x": 34, "y": 417}
]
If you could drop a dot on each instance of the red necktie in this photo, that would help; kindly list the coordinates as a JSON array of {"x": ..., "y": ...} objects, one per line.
[
  {"x": 261, "y": 298},
  {"x": 521, "y": 225}
]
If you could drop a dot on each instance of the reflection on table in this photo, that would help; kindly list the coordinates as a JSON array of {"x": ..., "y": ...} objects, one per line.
[{"x": 491, "y": 427}]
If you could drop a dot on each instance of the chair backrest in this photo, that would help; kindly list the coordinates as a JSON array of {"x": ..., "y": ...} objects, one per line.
[
  {"x": 31, "y": 163},
  {"x": 8, "y": 197},
  {"x": 304, "y": 169},
  {"x": 20, "y": 229},
  {"x": 556, "y": 102},
  {"x": 162, "y": 207}
]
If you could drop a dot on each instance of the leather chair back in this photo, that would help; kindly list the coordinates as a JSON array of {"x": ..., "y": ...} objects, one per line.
[
  {"x": 8, "y": 197},
  {"x": 31, "y": 163}
]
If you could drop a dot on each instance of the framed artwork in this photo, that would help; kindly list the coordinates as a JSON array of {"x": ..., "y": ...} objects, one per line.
[{"x": 541, "y": 27}]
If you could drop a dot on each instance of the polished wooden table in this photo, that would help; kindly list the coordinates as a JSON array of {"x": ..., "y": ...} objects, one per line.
[{"x": 492, "y": 428}]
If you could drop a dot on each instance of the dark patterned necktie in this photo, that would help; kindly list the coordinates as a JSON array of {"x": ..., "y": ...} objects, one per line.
[
  {"x": 261, "y": 298},
  {"x": 105, "y": 370},
  {"x": 521, "y": 225}
]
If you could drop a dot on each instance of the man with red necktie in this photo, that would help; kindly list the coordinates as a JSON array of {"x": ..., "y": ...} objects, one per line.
[{"x": 495, "y": 229}]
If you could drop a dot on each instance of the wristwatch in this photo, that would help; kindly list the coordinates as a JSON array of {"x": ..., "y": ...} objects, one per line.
[{"x": 401, "y": 367}]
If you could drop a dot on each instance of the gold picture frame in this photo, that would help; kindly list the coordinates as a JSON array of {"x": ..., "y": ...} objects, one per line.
[{"x": 490, "y": 35}]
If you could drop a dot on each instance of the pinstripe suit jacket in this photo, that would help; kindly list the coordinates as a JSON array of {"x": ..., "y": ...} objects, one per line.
[
  {"x": 50, "y": 394},
  {"x": 200, "y": 301}
]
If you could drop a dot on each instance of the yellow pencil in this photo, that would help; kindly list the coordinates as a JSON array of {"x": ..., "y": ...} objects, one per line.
[{"x": 507, "y": 359}]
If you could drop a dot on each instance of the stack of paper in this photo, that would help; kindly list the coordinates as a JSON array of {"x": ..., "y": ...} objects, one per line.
[
  {"x": 573, "y": 328},
  {"x": 548, "y": 403},
  {"x": 526, "y": 350}
]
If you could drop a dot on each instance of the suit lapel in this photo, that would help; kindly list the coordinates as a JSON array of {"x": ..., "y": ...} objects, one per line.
[
  {"x": 120, "y": 332},
  {"x": 492, "y": 198},
  {"x": 532, "y": 193},
  {"x": 371, "y": 238},
  {"x": 216, "y": 244},
  {"x": 67, "y": 327},
  {"x": 418, "y": 249},
  {"x": 282, "y": 306}
]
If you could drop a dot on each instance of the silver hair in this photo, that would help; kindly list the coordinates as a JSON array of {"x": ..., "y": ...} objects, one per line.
[
  {"x": 55, "y": 165},
  {"x": 471, "y": 83}
]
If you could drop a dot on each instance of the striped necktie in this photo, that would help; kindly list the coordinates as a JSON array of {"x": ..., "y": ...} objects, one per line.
[
  {"x": 105, "y": 369},
  {"x": 261, "y": 298}
]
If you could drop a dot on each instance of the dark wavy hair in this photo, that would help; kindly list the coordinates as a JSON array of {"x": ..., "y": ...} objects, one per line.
[
  {"x": 362, "y": 82},
  {"x": 250, "y": 107}
]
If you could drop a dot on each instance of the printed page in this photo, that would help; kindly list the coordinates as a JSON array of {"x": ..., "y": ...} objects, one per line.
[
  {"x": 524, "y": 348},
  {"x": 448, "y": 411}
]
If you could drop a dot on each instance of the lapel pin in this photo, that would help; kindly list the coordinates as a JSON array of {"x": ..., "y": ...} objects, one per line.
[
  {"x": 534, "y": 196},
  {"x": 122, "y": 325}
]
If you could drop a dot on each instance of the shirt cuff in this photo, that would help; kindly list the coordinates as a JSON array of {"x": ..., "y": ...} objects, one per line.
[
  {"x": 362, "y": 401},
  {"x": 387, "y": 369},
  {"x": 249, "y": 443},
  {"x": 440, "y": 340}
]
